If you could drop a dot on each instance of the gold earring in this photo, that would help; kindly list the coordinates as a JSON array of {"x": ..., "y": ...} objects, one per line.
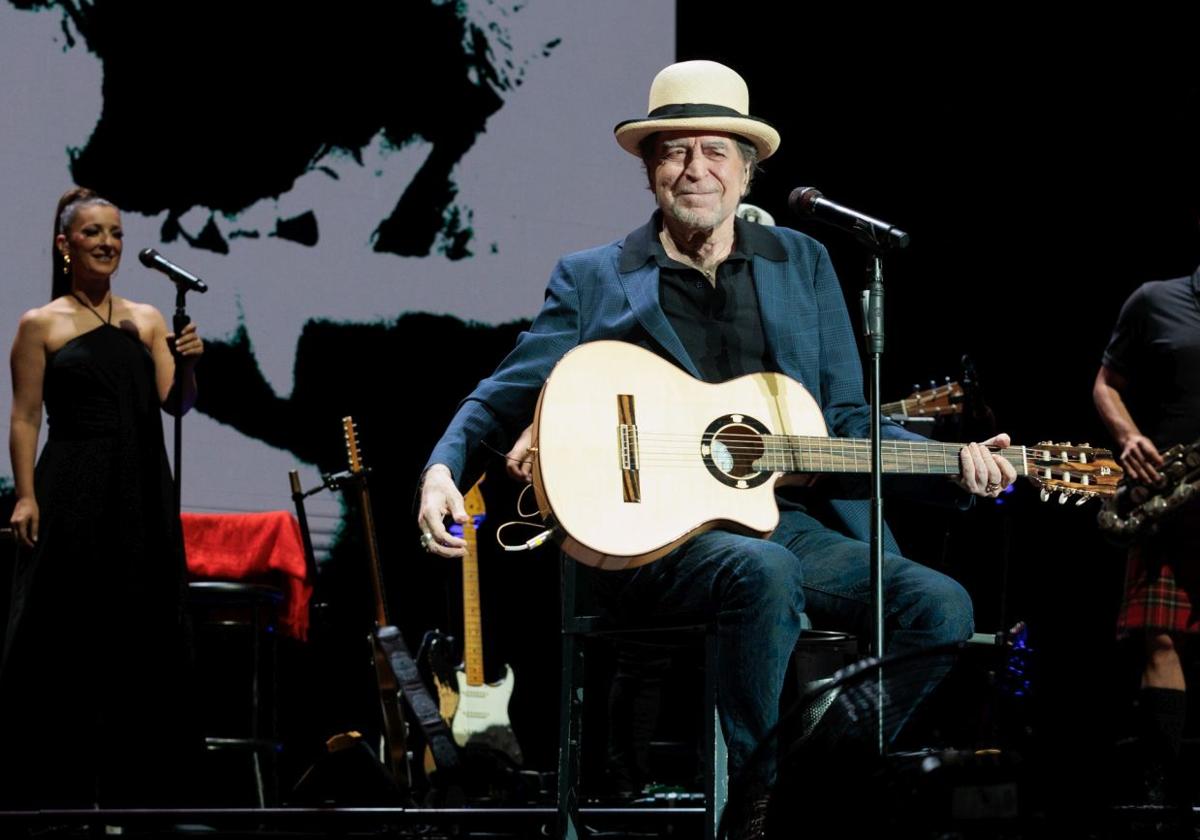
[{"x": 66, "y": 263}]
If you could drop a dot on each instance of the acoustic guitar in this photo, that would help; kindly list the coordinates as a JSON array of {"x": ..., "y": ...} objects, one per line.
[
  {"x": 634, "y": 456},
  {"x": 937, "y": 401}
]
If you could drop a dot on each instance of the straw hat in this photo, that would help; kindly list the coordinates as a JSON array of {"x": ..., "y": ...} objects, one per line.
[{"x": 698, "y": 95}]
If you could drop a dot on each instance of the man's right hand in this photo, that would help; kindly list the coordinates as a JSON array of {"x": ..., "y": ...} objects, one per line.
[
  {"x": 519, "y": 460},
  {"x": 440, "y": 498},
  {"x": 1139, "y": 457},
  {"x": 24, "y": 521}
]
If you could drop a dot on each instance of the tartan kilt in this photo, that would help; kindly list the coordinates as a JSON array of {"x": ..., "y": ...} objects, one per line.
[{"x": 1162, "y": 580}]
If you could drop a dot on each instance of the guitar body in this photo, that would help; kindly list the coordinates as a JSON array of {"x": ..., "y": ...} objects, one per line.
[
  {"x": 395, "y": 730},
  {"x": 578, "y": 476},
  {"x": 439, "y": 654},
  {"x": 437, "y": 650},
  {"x": 481, "y": 717}
]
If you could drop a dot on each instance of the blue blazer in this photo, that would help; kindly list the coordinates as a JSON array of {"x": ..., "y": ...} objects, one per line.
[{"x": 595, "y": 295}]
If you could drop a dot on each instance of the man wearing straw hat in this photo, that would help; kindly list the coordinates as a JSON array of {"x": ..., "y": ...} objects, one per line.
[{"x": 720, "y": 297}]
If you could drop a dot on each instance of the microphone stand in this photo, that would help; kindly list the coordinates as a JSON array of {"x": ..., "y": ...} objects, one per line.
[
  {"x": 878, "y": 238},
  {"x": 178, "y": 321},
  {"x": 872, "y": 303},
  {"x": 299, "y": 494}
]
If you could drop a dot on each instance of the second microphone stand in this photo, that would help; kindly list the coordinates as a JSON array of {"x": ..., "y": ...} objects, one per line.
[{"x": 178, "y": 321}]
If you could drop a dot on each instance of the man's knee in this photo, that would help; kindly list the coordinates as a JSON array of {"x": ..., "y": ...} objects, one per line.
[
  {"x": 770, "y": 576},
  {"x": 949, "y": 611}
]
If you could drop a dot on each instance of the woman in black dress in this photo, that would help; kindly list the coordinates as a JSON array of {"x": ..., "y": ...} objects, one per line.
[{"x": 93, "y": 681}]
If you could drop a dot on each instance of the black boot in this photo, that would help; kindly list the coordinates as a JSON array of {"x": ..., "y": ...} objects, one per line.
[{"x": 1161, "y": 718}]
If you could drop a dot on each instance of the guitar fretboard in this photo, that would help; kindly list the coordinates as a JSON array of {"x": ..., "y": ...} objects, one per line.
[
  {"x": 472, "y": 615},
  {"x": 795, "y": 453}
]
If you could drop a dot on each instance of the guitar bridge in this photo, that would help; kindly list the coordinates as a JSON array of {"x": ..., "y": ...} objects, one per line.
[{"x": 627, "y": 442}]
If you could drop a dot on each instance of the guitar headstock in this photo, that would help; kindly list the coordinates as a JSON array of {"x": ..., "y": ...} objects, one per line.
[
  {"x": 473, "y": 502},
  {"x": 937, "y": 401},
  {"x": 1083, "y": 472},
  {"x": 353, "y": 454}
]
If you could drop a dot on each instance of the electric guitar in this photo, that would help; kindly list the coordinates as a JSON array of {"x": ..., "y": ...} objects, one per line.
[
  {"x": 1138, "y": 508},
  {"x": 634, "y": 456},
  {"x": 479, "y": 716},
  {"x": 395, "y": 672},
  {"x": 395, "y": 732}
]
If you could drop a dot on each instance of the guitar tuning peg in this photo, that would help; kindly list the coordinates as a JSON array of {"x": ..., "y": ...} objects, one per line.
[
  {"x": 947, "y": 378},
  {"x": 1063, "y": 496},
  {"x": 916, "y": 386},
  {"x": 1044, "y": 495},
  {"x": 932, "y": 383},
  {"x": 1083, "y": 497}
]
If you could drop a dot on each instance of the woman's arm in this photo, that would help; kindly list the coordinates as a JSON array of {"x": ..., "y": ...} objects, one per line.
[
  {"x": 167, "y": 350},
  {"x": 28, "y": 362}
]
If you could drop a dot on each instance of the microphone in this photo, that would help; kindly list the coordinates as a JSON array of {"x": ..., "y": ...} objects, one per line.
[
  {"x": 876, "y": 235},
  {"x": 152, "y": 259}
]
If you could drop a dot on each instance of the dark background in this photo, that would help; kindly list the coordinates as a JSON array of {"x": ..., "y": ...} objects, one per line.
[{"x": 1044, "y": 164}]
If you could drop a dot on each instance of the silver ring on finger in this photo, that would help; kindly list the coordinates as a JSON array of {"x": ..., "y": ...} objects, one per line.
[{"x": 426, "y": 540}]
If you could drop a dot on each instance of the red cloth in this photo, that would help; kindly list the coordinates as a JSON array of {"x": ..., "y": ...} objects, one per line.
[{"x": 248, "y": 545}]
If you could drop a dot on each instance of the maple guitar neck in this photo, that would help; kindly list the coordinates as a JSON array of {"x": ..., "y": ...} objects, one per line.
[{"x": 472, "y": 615}]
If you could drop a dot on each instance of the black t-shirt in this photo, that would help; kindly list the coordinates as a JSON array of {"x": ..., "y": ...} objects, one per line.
[{"x": 1156, "y": 347}]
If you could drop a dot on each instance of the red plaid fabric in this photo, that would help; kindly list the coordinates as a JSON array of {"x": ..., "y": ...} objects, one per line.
[{"x": 1162, "y": 581}]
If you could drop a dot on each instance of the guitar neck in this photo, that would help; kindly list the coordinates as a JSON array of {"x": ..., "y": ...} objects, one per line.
[
  {"x": 377, "y": 591},
  {"x": 898, "y": 407},
  {"x": 807, "y": 454},
  {"x": 472, "y": 616}
]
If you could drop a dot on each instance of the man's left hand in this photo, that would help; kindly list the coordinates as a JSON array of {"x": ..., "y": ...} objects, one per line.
[{"x": 983, "y": 472}]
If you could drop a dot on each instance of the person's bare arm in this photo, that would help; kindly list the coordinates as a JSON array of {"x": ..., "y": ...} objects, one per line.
[
  {"x": 1139, "y": 456},
  {"x": 28, "y": 362}
]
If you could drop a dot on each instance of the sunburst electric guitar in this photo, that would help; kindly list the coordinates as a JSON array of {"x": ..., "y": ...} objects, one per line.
[
  {"x": 395, "y": 731},
  {"x": 634, "y": 456},
  {"x": 478, "y": 710},
  {"x": 395, "y": 672}
]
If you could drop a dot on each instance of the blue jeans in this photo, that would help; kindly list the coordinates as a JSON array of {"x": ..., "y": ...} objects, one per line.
[{"x": 764, "y": 592}]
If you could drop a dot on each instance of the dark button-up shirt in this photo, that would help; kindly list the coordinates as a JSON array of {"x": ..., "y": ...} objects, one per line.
[{"x": 719, "y": 324}]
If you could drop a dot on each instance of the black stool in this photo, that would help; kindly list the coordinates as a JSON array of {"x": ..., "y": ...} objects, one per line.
[
  {"x": 575, "y": 629},
  {"x": 817, "y": 656},
  {"x": 227, "y": 615}
]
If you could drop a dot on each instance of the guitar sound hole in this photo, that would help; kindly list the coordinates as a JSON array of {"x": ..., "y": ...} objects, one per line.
[{"x": 735, "y": 449}]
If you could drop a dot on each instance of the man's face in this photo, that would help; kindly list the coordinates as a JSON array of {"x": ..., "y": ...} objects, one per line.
[{"x": 698, "y": 177}]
